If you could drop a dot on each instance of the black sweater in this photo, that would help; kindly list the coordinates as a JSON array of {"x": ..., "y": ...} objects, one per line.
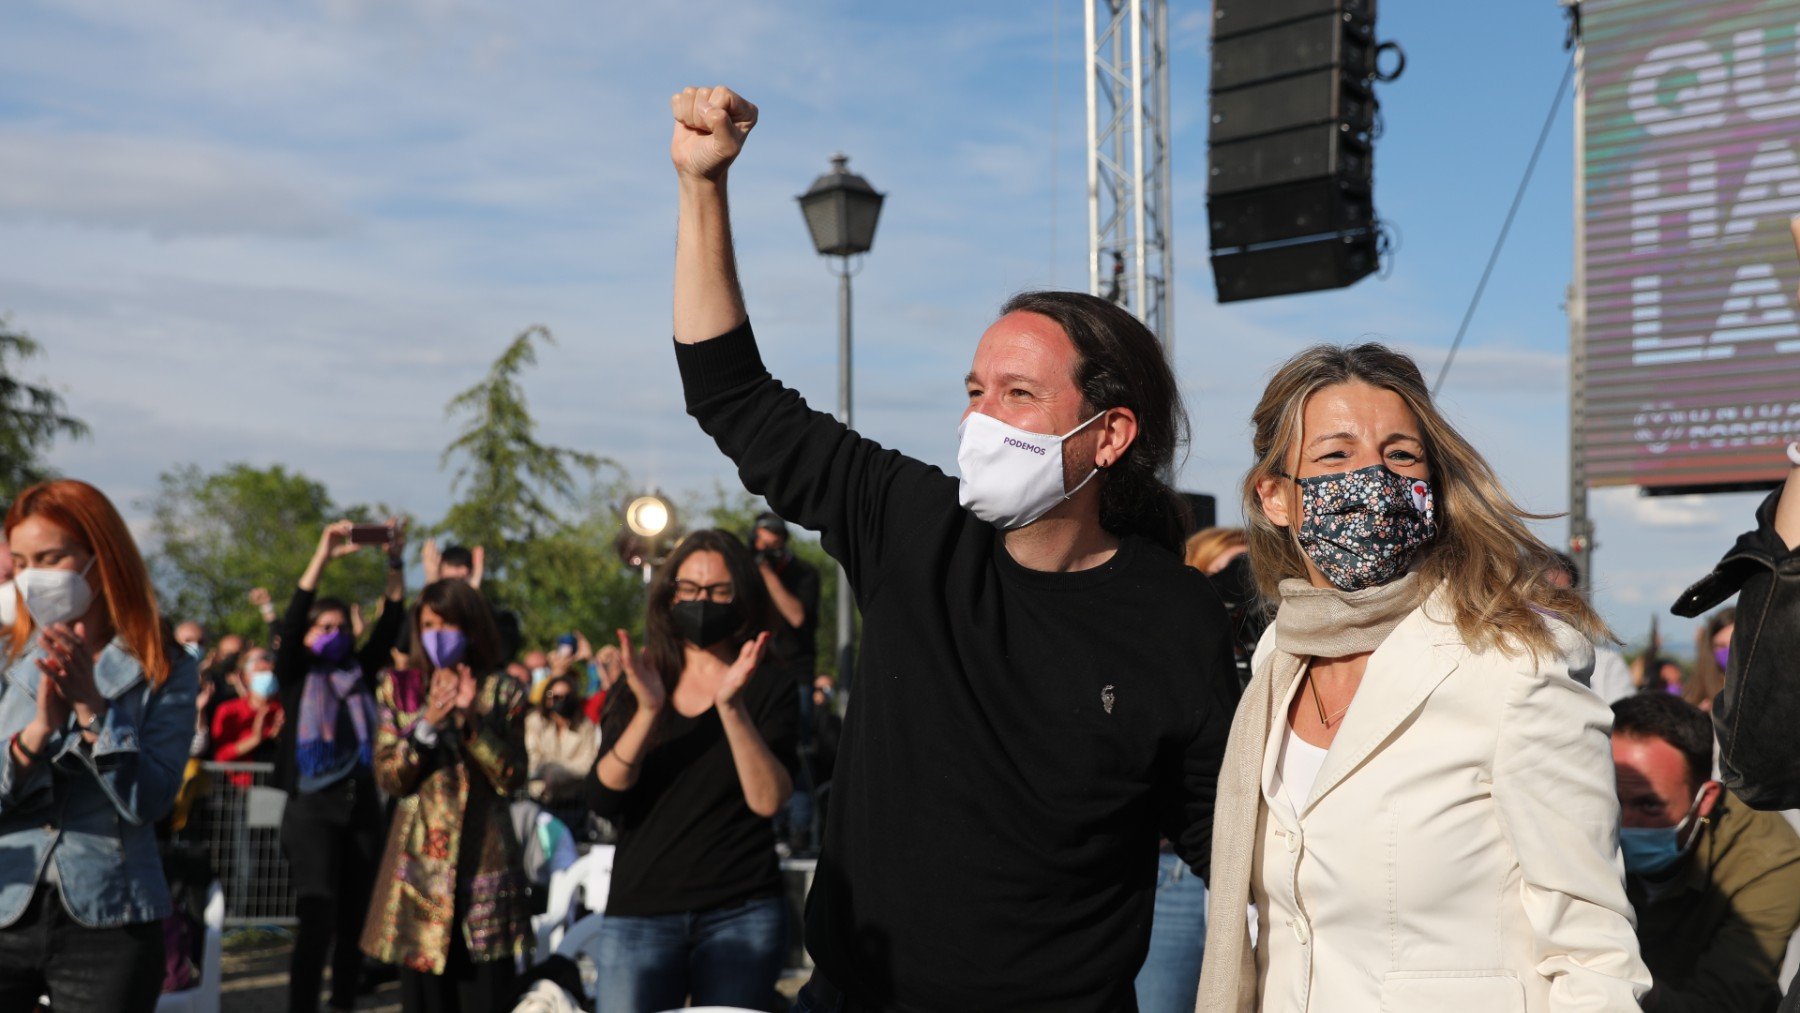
[
  {"x": 1017, "y": 740},
  {"x": 687, "y": 839},
  {"x": 293, "y": 661}
]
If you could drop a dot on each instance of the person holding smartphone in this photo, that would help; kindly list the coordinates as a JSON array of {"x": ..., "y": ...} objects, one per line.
[
  {"x": 96, "y": 715},
  {"x": 331, "y": 828}
]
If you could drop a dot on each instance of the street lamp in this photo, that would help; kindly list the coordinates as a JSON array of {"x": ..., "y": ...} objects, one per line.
[{"x": 841, "y": 209}]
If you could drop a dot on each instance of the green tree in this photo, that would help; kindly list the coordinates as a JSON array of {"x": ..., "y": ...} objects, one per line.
[
  {"x": 219, "y": 534},
  {"x": 32, "y": 416},
  {"x": 570, "y": 579},
  {"x": 510, "y": 485}
]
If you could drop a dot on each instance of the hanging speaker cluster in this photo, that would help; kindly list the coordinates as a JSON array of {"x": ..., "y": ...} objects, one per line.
[{"x": 1290, "y": 147}]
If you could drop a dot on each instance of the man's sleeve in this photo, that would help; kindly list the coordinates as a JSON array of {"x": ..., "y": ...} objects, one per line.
[
  {"x": 1187, "y": 816},
  {"x": 1740, "y": 965},
  {"x": 812, "y": 469}
]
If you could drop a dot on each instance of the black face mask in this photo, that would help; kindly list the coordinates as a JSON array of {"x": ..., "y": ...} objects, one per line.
[
  {"x": 565, "y": 707},
  {"x": 704, "y": 623}
]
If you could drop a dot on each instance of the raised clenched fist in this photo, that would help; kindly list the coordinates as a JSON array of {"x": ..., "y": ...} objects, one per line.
[{"x": 710, "y": 127}]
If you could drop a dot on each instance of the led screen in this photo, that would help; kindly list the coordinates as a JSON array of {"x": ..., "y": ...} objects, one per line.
[{"x": 1691, "y": 171}]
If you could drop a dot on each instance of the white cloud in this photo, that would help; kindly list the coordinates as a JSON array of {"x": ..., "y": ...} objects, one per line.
[{"x": 164, "y": 186}]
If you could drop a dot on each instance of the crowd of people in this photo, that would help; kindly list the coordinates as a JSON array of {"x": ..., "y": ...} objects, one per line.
[{"x": 1371, "y": 751}]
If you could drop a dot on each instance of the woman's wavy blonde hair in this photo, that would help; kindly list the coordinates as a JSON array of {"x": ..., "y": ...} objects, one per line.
[{"x": 1490, "y": 566}]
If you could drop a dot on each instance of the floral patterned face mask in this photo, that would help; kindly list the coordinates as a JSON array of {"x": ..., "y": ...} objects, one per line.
[{"x": 1362, "y": 528}]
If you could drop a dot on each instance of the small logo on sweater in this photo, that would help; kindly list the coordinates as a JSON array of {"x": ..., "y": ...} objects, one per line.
[{"x": 1107, "y": 697}]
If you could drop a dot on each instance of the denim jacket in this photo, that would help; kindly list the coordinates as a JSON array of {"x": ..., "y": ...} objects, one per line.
[{"x": 92, "y": 809}]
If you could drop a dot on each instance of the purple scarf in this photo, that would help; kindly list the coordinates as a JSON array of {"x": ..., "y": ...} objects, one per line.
[{"x": 325, "y": 688}]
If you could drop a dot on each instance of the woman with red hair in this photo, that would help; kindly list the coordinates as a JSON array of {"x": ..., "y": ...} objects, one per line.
[{"x": 96, "y": 712}]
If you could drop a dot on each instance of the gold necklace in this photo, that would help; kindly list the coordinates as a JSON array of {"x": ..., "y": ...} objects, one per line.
[{"x": 1319, "y": 702}]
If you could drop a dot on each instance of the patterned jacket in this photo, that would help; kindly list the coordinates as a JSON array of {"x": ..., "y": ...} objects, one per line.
[{"x": 452, "y": 861}]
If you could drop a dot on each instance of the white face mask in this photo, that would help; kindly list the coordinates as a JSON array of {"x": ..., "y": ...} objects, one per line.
[
  {"x": 55, "y": 596},
  {"x": 1010, "y": 476},
  {"x": 9, "y": 606}
]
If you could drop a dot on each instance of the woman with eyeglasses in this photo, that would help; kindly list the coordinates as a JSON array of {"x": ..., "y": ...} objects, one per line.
[
  {"x": 96, "y": 715},
  {"x": 695, "y": 759}
]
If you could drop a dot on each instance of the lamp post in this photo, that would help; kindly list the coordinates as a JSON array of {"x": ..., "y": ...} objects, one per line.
[{"x": 840, "y": 210}]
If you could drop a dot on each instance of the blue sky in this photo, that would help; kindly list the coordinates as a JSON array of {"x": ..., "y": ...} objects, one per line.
[{"x": 288, "y": 232}]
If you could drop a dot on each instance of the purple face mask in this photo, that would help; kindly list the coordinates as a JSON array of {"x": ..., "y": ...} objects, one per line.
[
  {"x": 1722, "y": 655},
  {"x": 445, "y": 647},
  {"x": 333, "y": 646}
]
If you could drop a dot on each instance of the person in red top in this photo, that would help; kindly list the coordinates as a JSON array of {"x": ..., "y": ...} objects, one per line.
[
  {"x": 245, "y": 729},
  {"x": 607, "y": 664}
]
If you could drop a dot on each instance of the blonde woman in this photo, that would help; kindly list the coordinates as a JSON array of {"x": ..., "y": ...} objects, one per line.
[{"x": 1417, "y": 797}]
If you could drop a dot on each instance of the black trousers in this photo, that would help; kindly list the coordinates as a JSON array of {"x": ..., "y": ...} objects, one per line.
[
  {"x": 116, "y": 970},
  {"x": 332, "y": 840},
  {"x": 464, "y": 987}
]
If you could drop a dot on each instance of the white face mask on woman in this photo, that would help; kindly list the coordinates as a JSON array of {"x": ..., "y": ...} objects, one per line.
[
  {"x": 55, "y": 596},
  {"x": 1011, "y": 476}
]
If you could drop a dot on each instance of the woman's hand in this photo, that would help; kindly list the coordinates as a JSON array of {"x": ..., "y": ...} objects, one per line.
[
  {"x": 396, "y": 546},
  {"x": 466, "y": 686},
  {"x": 645, "y": 683},
  {"x": 738, "y": 675},
  {"x": 69, "y": 662},
  {"x": 334, "y": 541},
  {"x": 442, "y": 699},
  {"x": 52, "y": 708}
]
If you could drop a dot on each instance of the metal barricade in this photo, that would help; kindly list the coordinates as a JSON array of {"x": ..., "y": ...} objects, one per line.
[{"x": 242, "y": 816}]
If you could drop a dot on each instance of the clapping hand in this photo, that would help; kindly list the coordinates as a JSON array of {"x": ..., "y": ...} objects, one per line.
[
  {"x": 645, "y": 684},
  {"x": 442, "y": 699},
  {"x": 68, "y": 661},
  {"x": 738, "y": 675},
  {"x": 466, "y": 686}
]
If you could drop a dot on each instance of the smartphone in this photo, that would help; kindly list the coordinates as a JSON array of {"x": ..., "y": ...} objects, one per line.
[
  {"x": 565, "y": 645},
  {"x": 371, "y": 534}
]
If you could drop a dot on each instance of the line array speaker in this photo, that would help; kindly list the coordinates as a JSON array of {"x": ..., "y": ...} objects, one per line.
[{"x": 1290, "y": 145}]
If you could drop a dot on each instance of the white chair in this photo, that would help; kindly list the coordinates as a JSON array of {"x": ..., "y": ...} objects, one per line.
[
  {"x": 204, "y": 997},
  {"x": 589, "y": 880},
  {"x": 580, "y": 941}
]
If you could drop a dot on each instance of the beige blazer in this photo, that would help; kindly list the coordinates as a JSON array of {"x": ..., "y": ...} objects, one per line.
[{"x": 1457, "y": 853}]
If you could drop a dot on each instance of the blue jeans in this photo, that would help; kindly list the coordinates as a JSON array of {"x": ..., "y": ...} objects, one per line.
[
  {"x": 729, "y": 956},
  {"x": 1170, "y": 977}
]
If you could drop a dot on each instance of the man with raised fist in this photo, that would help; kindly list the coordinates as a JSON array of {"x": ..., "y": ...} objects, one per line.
[{"x": 1043, "y": 687}]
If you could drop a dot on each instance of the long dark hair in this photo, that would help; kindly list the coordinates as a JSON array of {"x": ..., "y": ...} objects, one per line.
[
  {"x": 463, "y": 607},
  {"x": 663, "y": 647},
  {"x": 1123, "y": 366}
]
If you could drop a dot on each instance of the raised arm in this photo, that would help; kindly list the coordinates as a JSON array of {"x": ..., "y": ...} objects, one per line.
[{"x": 710, "y": 127}]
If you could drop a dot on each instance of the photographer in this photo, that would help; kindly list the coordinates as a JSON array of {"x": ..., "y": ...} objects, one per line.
[
  {"x": 331, "y": 827},
  {"x": 793, "y": 586}
]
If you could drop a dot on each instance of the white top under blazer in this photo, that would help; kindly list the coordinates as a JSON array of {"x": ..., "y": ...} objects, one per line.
[{"x": 1456, "y": 852}]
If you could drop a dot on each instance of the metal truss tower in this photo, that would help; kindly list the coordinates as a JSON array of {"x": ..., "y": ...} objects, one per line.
[{"x": 1130, "y": 256}]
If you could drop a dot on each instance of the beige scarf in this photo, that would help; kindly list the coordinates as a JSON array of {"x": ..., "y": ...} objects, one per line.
[
  {"x": 1323, "y": 622},
  {"x": 1311, "y": 622}
]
